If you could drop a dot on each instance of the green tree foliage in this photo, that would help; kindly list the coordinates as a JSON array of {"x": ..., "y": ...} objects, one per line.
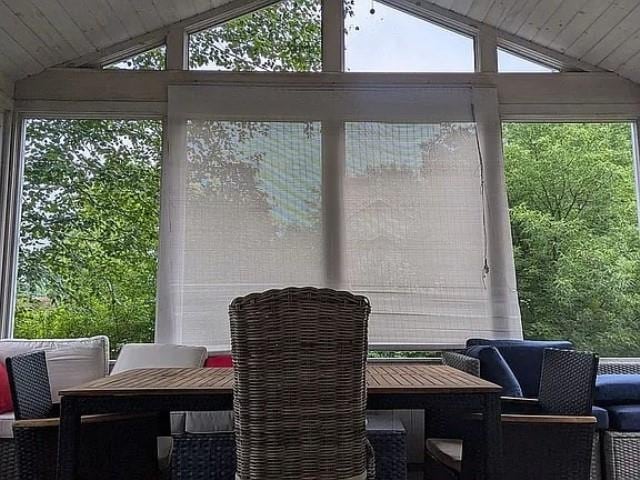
[
  {"x": 575, "y": 233},
  {"x": 89, "y": 229},
  {"x": 283, "y": 37}
]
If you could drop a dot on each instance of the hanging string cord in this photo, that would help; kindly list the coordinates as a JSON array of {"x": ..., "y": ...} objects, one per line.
[{"x": 485, "y": 232}]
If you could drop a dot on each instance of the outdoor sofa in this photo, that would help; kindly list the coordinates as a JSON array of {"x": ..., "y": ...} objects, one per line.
[{"x": 516, "y": 365}]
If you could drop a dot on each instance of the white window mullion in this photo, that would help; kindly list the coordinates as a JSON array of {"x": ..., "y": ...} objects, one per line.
[
  {"x": 332, "y": 36},
  {"x": 333, "y": 155}
]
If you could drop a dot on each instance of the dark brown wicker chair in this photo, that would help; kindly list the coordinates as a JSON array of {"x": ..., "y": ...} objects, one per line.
[
  {"x": 548, "y": 438},
  {"x": 300, "y": 394},
  {"x": 113, "y": 446}
]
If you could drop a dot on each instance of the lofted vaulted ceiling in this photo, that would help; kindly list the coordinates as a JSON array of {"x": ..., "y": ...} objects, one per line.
[{"x": 37, "y": 34}]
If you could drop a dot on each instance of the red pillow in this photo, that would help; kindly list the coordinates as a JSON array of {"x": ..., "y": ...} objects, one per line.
[
  {"x": 6, "y": 405},
  {"x": 219, "y": 361}
]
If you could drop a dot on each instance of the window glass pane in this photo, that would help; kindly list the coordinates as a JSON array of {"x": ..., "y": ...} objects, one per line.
[
  {"x": 252, "y": 209},
  {"x": 89, "y": 230},
  {"x": 392, "y": 41},
  {"x": 283, "y": 37},
  {"x": 414, "y": 231},
  {"x": 153, "y": 59},
  {"x": 511, "y": 63},
  {"x": 575, "y": 233}
]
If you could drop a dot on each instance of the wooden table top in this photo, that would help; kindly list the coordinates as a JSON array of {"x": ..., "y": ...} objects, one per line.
[{"x": 382, "y": 378}]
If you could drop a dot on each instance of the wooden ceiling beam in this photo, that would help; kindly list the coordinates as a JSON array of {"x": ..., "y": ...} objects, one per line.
[{"x": 540, "y": 95}]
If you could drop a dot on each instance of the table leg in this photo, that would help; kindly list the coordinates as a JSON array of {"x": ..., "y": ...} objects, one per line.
[
  {"x": 68, "y": 439},
  {"x": 492, "y": 433},
  {"x": 164, "y": 424}
]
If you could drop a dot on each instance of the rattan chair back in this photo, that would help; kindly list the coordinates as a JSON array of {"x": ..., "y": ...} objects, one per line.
[
  {"x": 299, "y": 357},
  {"x": 567, "y": 382},
  {"x": 30, "y": 388}
]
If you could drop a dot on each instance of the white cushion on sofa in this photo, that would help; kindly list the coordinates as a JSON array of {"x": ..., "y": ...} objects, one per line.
[
  {"x": 6, "y": 425},
  {"x": 71, "y": 362},
  {"x": 155, "y": 355}
]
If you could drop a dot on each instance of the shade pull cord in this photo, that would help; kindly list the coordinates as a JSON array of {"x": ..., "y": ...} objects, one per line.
[{"x": 485, "y": 246}]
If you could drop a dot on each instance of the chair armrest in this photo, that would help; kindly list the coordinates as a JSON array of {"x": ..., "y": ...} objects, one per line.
[
  {"x": 547, "y": 419},
  {"x": 462, "y": 362}
]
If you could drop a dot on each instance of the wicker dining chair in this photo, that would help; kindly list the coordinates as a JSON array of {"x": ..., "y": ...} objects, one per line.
[
  {"x": 113, "y": 446},
  {"x": 548, "y": 438},
  {"x": 299, "y": 358}
]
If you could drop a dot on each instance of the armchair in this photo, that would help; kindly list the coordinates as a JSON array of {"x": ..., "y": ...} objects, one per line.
[
  {"x": 551, "y": 437},
  {"x": 113, "y": 447}
]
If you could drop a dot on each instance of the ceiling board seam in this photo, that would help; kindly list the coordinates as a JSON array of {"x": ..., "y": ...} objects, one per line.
[
  {"x": 73, "y": 20},
  {"x": 45, "y": 44},
  {"x": 27, "y": 54},
  {"x": 517, "y": 28},
  {"x": 562, "y": 26},
  {"x": 586, "y": 31},
  {"x": 605, "y": 36},
  {"x": 537, "y": 29}
]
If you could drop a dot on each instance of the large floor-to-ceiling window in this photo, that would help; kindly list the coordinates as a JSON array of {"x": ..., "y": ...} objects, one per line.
[
  {"x": 576, "y": 244},
  {"x": 89, "y": 229}
]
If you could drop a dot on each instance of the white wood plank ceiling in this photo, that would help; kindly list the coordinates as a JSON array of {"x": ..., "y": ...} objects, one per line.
[
  {"x": 37, "y": 34},
  {"x": 604, "y": 33}
]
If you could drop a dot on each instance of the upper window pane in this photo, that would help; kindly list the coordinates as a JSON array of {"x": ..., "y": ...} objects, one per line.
[
  {"x": 511, "y": 63},
  {"x": 388, "y": 40},
  {"x": 282, "y": 37},
  {"x": 152, "y": 59}
]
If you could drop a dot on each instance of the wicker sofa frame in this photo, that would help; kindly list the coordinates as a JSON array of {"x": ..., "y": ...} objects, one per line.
[{"x": 620, "y": 450}]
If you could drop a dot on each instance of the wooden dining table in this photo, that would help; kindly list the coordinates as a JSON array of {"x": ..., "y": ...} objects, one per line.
[{"x": 390, "y": 386}]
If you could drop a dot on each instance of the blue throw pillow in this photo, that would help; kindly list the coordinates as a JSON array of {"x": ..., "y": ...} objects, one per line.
[
  {"x": 524, "y": 357},
  {"x": 495, "y": 369},
  {"x": 614, "y": 389}
]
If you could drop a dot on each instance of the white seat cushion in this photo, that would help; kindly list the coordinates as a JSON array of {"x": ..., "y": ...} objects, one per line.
[
  {"x": 447, "y": 451},
  {"x": 153, "y": 355},
  {"x": 70, "y": 362},
  {"x": 6, "y": 425}
]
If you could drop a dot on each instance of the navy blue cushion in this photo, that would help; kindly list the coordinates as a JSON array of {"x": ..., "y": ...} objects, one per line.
[
  {"x": 494, "y": 368},
  {"x": 524, "y": 358},
  {"x": 615, "y": 389},
  {"x": 602, "y": 418},
  {"x": 624, "y": 418}
]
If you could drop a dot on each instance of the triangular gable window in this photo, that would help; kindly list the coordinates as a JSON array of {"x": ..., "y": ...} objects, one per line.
[
  {"x": 511, "y": 63},
  {"x": 286, "y": 36},
  {"x": 380, "y": 38},
  {"x": 152, "y": 59}
]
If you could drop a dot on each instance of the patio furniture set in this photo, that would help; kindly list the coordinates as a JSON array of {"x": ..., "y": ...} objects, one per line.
[{"x": 295, "y": 401}]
